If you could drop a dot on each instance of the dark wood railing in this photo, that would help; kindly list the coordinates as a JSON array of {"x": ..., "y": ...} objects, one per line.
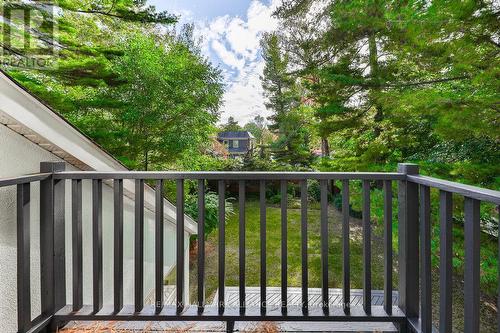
[{"x": 412, "y": 313}]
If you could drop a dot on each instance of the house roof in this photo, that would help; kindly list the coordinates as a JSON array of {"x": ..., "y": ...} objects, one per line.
[
  {"x": 236, "y": 135},
  {"x": 30, "y": 117}
]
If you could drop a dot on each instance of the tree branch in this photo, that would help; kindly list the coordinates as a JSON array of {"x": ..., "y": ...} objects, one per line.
[
  {"x": 412, "y": 84},
  {"x": 99, "y": 12}
]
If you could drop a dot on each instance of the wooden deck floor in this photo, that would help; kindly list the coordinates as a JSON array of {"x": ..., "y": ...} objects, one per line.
[
  {"x": 295, "y": 297},
  {"x": 274, "y": 296},
  {"x": 253, "y": 299}
]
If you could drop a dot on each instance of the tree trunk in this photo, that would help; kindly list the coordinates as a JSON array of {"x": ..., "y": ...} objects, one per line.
[
  {"x": 146, "y": 160},
  {"x": 375, "y": 74},
  {"x": 325, "y": 147}
]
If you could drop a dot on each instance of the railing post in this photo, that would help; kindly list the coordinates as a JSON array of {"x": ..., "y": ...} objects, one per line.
[
  {"x": 180, "y": 245},
  {"x": 23, "y": 258},
  {"x": 201, "y": 244},
  {"x": 159, "y": 244},
  {"x": 408, "y": 242},
  {"x": 52, "y": 240},
  {"x": 472, "y": 231},
  {"x": 222, "y": 245}
]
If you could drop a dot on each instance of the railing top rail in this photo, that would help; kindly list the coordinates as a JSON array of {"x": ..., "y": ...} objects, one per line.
[
  {"x": 474, "y": 192},
  {"x": 462, "y": 189},
  {"x": 23, "y": 179},
  {"x": 229, "y": 175}
]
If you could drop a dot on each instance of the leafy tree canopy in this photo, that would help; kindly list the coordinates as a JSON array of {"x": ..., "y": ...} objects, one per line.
[
  {"x": 137, "y": 87},
  {"x": 232, "y": 125},
  {"x": 390, "y": 81}
]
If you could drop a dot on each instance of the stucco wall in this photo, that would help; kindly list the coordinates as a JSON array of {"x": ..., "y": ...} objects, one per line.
[{"x": 19, "y": 156}]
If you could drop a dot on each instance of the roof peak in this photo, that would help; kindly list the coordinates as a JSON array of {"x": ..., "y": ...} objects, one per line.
[{"x": 235, "y": 134}]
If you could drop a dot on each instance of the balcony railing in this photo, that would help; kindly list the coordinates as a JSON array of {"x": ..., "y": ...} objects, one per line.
[{"x": 412, "y": 313}]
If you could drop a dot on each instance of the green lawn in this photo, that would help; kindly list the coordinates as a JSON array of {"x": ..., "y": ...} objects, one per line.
[
  {"x": 488, "y": 308},
  {"x": 294, "y": 261}
]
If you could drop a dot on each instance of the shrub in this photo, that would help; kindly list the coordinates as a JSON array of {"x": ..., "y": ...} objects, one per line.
[
  {"x": 292, "y": 202},
  {"x": 337, "y": 202},
  {"x": 211, "y": 209},
  {"x": 313, "y": 190},
  {"x": 275, "y": 199}
]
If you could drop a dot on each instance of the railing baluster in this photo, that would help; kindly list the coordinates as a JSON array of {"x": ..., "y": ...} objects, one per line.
[
  {"x": 118, "y": 244},
  {"x": 263, "y": 278},
  {"x": 414, "y": 226},
  {"x": 222, "y": 244},
  {"x": 346, "y": 287},
  {"x": 445, "y": 261},
  {"x": 284, "y": 252},
  {"x": 180, "y": 245},
  {"x": 408, "y": 242},
  {"x": 139, "y": 245},
  {"x": 388, "y": 246},
  {"x": 52, "y": 240},
  {"x": 472, "y": 262},
  {"x": 23, "y": 258},
  {"x": 159, "y": 245},
  {"x": 324, "y": 244},
  {"x": 241, "y": 198},
  {"x": 97, "y": 242},
  {"x": 201, "y": 244},
  {"x": 367, "y": 253},
  {"x": 303, "y": 236},
  {"x": 76, "y": 230},
  {"x": 59, "y": 218},
  {"x": 425, "y": 259}
]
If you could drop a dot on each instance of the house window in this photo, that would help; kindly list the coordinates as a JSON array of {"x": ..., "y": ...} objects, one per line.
[{"x": 236, "y": 144}]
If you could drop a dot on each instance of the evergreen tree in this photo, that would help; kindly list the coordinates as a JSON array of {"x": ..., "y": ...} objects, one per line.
[
  {"x": 231, "y": 126},
  {"x": 280, "y": 90},
  {"x": 145, "y": 93},
  {"x": 404, "y": 76}
]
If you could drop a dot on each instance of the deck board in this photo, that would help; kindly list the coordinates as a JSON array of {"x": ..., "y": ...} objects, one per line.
[
  {"x": 273, "y": 297},
  {"x": 253, "y": 299}
]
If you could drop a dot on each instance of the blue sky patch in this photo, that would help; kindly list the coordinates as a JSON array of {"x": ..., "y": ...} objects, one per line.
[{"x": 231, "y": 32}]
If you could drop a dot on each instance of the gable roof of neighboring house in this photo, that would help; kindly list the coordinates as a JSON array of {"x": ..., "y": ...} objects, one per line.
[
  {"x": 236, "y": 135},
  {"x": 30, "y": 117}
]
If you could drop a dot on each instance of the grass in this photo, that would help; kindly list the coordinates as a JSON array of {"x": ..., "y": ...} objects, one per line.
[
  {"x": 488, "y": 308},
  {"x": 488, "y": 303},
  {"x": 273, "y": 248}
]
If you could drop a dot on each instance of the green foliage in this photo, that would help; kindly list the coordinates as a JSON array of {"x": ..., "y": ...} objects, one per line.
[
  {"x": 211, "y": 210},
  {"x": 402, "y": 81},
  {"x": 111, "y": 76},
  {"x": 275, "y": 199},
  {"x": 231, "y": 126},
  {"x": 83, "y": 33},
  {"x": 392, "y": 81},
  {"x": 196, "y": 161},
  {"x": 280, "y": 90},
  {"x": 151, "y": 129},
  {"x": 258, "y": 128},
  {"x": 293, "y": 143},
  {"x": 313, "y": 190}
]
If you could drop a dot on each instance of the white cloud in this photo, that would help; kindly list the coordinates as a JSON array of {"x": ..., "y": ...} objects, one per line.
[
  {"x": 236, "y": 43},
  {"x": 228, "y": 57}
]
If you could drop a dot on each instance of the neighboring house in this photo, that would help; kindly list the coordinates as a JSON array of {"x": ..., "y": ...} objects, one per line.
[
  {"x": 30, "y": 133},
  {"x": 237, "y": 143}
]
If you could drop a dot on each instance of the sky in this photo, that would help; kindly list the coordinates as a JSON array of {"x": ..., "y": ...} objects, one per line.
[{"x": 231, "y": 32}]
